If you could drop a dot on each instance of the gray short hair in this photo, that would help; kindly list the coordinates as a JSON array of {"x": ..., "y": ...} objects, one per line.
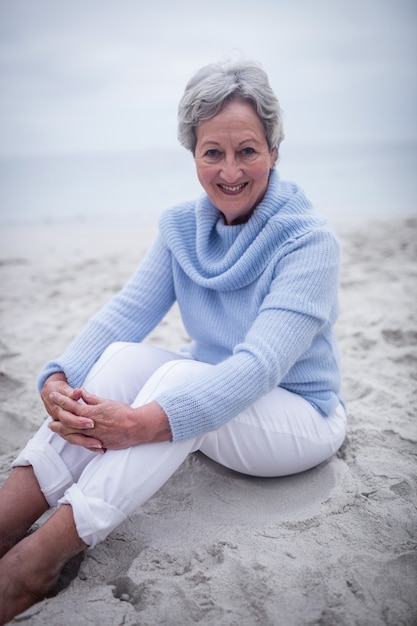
[{"x": 215, "y": 85}]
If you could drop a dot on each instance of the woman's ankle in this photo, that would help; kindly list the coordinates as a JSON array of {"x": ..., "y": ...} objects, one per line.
[
  {"x": 22, "y": 583},
  {"x": 30, "y": 570},
  {"x": 27, "y": 577},
  {"x": 8, "y": 541}
]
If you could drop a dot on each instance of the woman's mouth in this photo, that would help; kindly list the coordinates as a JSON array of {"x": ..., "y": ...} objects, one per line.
[{"x": 232, "y": 189}]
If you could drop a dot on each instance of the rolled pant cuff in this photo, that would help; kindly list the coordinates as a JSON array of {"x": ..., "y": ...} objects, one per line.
[
  {"x": 51, "y": 472},
  {"x": 94, "y": 518}
]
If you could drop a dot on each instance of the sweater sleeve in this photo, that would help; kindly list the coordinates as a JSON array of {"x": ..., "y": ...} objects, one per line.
[
  {"x": 299, "y": 304},
  {"x": 128, "y": 316}
]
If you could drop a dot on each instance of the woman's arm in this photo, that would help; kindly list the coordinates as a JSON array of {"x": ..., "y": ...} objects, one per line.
[
  {"x": 290, "y": 339},
  {"x": 301, "y": 302},
  {"x": 128, "y": 316}
]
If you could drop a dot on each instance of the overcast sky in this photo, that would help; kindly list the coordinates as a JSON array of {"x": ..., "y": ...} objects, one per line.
[{"x": 94, "y": 75}]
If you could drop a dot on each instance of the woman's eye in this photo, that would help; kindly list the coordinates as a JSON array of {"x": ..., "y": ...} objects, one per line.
[
  {"x": 212, "y": 153},
  {"x": 248, "y": 151}
]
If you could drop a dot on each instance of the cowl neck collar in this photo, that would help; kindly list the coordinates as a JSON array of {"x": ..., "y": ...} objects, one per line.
[{"x": 222, "y": 257}]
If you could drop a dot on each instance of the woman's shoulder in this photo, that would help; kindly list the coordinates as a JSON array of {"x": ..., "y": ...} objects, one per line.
[
  {"x": 177, "y": 218},
  {"x": 180, "y": 210}
]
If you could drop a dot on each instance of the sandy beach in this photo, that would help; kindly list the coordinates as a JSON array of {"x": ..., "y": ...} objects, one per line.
[{"x": 335, "y": 546}]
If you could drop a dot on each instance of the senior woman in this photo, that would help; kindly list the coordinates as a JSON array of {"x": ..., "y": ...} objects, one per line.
[{"x": 255, "y": 273}]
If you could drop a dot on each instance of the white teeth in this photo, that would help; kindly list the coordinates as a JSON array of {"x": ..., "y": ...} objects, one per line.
[{"x": 232, "y": 188}]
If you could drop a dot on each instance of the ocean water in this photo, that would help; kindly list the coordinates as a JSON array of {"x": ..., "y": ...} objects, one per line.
[{"x": 344, "y": 182}]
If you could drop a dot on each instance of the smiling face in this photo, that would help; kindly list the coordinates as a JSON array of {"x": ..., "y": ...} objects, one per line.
[{"x": 233, "y": 160}]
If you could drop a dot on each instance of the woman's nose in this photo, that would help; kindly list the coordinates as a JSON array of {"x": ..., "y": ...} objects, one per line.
[{"x": 230, "y": 170}]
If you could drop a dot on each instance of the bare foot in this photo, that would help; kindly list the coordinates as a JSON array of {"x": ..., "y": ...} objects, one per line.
[
  {"x": 23, "y": 582},
  {"x": 30, "y": 570}
]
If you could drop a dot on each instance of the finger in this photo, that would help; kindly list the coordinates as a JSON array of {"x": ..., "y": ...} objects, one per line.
[
  {"x": 54, "y": 386},
  {"x": 99, "y": 450},
  {"x": 94, "y": 445},
  {"x": 75, "y": 437},
  {"x": 65, "y": 402},
  {"x": 69, "y": 412},
  {"x": 89, "y": 398},
  {"x": 76, "y": 394}
]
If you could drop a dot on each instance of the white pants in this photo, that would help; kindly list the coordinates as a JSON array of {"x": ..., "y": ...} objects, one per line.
[{"x": 280, "y": 434}]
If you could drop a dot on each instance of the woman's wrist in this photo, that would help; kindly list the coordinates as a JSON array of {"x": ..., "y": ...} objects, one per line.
[
  {"x": 153, "y": 424},
  {"x": 58, "y": 376}
]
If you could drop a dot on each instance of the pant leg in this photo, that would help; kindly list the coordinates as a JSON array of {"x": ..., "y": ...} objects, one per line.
[
  {"x": 119, "y": 374},
  {"x": 124, "y": 368},
  {"x": 279, "y": 434},
  {"x": 115, "y": 484}
]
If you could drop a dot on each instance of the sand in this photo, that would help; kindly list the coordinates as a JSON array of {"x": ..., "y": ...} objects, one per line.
[{"x": 335, "y": 546}]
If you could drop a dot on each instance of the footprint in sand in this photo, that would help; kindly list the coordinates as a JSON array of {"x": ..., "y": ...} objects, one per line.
[
  {"x": 8, "y": 385},
  {"x": 396, "y": 586},
  {"x": 192, "y": 585},
  {"x": 400, "y": 338},
  {"x": 15, "y": 431}
]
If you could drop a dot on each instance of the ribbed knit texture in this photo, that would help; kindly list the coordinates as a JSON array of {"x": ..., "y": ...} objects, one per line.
[{"x": 259, "y": 301}]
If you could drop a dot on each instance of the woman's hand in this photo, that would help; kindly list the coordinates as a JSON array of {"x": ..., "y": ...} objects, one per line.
[
  {"x": 57, "y": 383},
  {"x": 106, "y": 424}
]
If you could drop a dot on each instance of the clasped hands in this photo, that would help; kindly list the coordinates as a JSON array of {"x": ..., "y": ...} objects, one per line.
[{"x": 98, "y": 424}]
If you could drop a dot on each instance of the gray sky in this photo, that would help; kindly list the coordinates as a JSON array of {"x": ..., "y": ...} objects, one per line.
[{"x": 93, "y": 75}]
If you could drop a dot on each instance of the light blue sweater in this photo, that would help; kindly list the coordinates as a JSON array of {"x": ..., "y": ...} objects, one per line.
[{"x": 259, "y": 300}]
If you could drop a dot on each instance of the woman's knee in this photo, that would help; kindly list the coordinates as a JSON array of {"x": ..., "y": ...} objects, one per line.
[
  {"x": 115, "y": 349},
  {"x": 124, "y": 368},
  {"x": 168, "y": 376},
  {"x": 121, "y": 357}
]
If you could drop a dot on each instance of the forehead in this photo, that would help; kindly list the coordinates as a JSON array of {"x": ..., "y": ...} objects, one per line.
[{"x": 235, "y": 117}]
